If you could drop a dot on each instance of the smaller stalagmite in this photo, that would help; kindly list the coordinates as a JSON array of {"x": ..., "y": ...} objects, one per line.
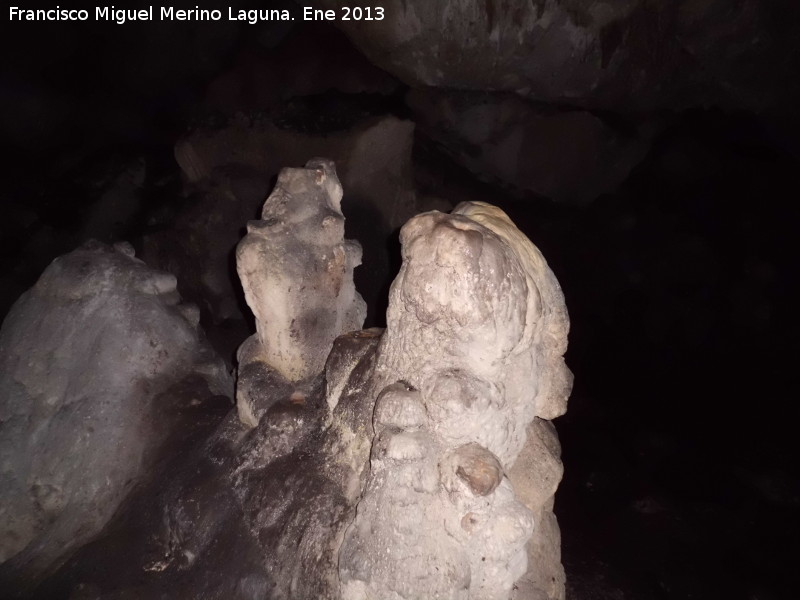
[{"x": 297, "y": 272}]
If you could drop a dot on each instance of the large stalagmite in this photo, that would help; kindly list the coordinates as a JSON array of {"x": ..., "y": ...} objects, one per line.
[{"x": 472, "y": 355}]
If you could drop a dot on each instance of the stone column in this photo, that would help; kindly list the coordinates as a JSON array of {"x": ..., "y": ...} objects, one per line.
[{"x": 296, "y": 269}]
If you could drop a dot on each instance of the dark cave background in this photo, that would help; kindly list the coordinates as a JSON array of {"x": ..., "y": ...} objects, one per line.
[{"x": 681, "y": 479}]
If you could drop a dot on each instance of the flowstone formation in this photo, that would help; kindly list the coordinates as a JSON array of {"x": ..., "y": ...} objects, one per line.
[
  {"x": 297, "y": 272},
  {"x": 472, "y": 355}
]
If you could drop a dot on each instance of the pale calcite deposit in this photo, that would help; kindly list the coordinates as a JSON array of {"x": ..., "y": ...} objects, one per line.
[
  {"x": 472, "y": 354},
  {"x": 296, "y": 269},
  {"x": 95, "y": 360},
  {"x": 459, "y": 386}
]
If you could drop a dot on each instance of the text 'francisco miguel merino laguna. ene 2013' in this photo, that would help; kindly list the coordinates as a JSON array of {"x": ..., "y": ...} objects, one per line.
[{"x": 121, "y": 16}]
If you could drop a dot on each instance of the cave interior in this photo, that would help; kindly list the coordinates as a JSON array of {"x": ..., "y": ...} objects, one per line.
[{"x": 667, "y": 210}]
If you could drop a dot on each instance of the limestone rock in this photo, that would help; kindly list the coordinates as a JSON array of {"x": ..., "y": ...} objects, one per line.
[
  {"x": 478, "y": 468},
  {"x": 86, "y": 358},
  {"x": 535, "y": 476},
  {"x": 568, "y": 156},
  {"x": 295, "y": 61},
  {"x": 629, "y": 55},
  {"x": 248, "y": 513},
  {"x": 476, "y": 330},
  {"x": 347, "y": 351},
  {"x": 296, "y": 269}
]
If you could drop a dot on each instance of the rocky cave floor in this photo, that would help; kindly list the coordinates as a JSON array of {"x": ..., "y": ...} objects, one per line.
[{"x": 680, "y": 479}]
